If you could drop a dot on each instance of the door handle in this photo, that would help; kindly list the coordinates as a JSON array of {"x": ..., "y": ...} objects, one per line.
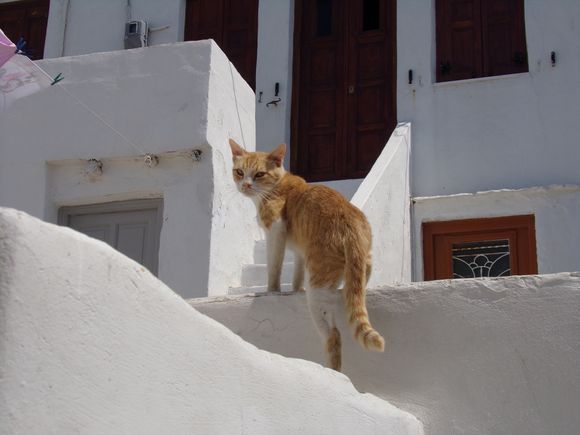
[{"x": 351, "y": 89}]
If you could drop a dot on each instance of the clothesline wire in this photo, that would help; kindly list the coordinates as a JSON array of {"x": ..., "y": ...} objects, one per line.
[{"x": 95, "y": 114}]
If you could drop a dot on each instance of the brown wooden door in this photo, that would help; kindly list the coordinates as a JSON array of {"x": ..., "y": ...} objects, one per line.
[
  {"x": 475, "y": 248},
  {"x": 232, "y": 24},
  {"x": 343, "y": 107},
  {"x": 27, "y": 20}
]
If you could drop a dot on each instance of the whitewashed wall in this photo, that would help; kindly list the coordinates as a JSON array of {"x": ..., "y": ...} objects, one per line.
[
  {"x": 97, "y": 345},
  {"x": 556, "y": 210},
  {"x": 166, "y": 100},
  {"x": 501, "y": 132},
  {"x": 384, "y": 197},
  {"x": 486, "y": 356},
  {"x": 86, "y": 26}
]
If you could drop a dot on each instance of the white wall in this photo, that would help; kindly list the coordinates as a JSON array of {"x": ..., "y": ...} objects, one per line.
[
  {"x": 488, "y": 356},
  {"x": 503, "y": 132},
  {"x": 97, "y": 345},
  {"x": 166, "y": 100},
  {"x": 384, "y": 197},
  {"x": 86, "y": 26},
  {"x": 274, "y": 65},
  {"x": 556, "y": 210}
]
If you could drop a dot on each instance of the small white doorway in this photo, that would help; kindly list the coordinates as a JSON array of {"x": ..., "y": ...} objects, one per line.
[{"x": 131, "y": 227}]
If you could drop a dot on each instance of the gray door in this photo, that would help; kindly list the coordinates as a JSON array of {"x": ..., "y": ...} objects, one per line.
[{"x": 131, "y": 227}]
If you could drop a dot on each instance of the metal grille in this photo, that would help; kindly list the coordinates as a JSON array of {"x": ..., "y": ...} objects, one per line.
[{"x": 481, "y": 259}]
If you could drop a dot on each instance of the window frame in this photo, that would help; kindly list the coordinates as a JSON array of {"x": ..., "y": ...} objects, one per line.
[{"x": 438, "y": 234}]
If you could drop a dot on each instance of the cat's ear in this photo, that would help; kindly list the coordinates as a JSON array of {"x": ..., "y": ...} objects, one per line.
[
  {"x": 237, "y": 150},
  {"x": 277, "y": 156}
]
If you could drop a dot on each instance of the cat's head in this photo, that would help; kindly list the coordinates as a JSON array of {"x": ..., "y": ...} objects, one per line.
[{"x": 256, "y": 173}]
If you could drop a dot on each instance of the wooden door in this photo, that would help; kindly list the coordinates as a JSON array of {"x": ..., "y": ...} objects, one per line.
[
  {"x": 27, "y": 20},
  {"x": 343, "y": 108},
  {"x": 475, "y": 248},
  {"x": 232, "y": 24}
]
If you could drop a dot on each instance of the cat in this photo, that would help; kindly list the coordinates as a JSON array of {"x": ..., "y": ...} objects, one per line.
[{"x": 330, "y": 237}]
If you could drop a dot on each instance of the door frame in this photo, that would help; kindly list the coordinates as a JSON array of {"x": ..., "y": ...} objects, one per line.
[{"x": 296, "y": 67}]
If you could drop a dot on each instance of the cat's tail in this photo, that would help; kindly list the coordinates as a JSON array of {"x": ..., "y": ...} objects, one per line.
[{"x": 355, "y": 278}]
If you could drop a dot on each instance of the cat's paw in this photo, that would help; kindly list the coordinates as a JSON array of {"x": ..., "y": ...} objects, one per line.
[{"x": 299, "y": 290}]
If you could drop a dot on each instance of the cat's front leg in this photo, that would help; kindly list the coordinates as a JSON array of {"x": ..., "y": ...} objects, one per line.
[
  {"x": 298, "y": 280},
  {"x": 276, "y": 245}
]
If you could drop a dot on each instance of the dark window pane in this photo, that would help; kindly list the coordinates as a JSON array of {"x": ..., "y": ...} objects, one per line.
[
  {"x": 481, "y": 259},
  {"x": 323, "y": 17},
  {"x": 371, "y": 14}
]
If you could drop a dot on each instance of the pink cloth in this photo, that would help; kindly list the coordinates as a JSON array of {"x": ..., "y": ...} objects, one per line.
[
  {"x": 7, "y": 48},
  {"x": 19, "y": 76}
]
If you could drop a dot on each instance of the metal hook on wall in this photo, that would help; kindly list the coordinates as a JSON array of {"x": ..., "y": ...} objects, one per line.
[{"x": 274, "y": 102}]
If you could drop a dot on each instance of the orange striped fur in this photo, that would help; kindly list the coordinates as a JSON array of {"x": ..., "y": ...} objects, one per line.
[{"x": 330, "y": 235}]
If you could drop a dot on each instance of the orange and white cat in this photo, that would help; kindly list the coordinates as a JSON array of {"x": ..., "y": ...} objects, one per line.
[{"x": 330, "y": 237}]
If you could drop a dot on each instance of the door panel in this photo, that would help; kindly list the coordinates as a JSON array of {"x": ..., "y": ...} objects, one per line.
[
  {"x": 320, "y": 95},
  {"x": 132, "y": 240},
  {"x": 343, "y": 108}
]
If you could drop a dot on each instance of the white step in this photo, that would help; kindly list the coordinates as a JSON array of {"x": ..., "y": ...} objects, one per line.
[
  {"x": 286, "y": 288},
  {"x": 257, "y": 274},
  {"x": 261, "y": 253}
]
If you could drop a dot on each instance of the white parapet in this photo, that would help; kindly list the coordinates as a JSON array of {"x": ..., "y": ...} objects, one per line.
[
  {"x": 384, "y": 197},
  {"x": 485, "y": 356},
  {"x": 93, "y": 343}
]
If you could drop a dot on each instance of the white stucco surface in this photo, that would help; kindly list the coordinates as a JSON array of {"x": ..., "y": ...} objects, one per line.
[
  {"x": 85, "y": 26},
  {"x": 93, "y": 343},
  {"x": 274, "y": 65},
  {"x": 165, "y": 100},
  {"x": 556, "y": 210},
  {"x": 510, "y": 131},
  {"x": 490, "y": 356},
  {"x": 384, "y": 197}
]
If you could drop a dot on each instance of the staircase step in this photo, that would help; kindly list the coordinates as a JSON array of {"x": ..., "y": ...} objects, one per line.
[
  {"x": 286, "y": 288},
  {"x": 261, "y": 253},
  {"x": 257, "y": 274}
]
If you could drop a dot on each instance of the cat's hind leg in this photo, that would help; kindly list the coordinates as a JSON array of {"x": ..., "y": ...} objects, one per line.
[
  {"x": 275, "y": 245},
  {"x": 298, "y": 279},
  {"x": 323, "y": 304}
]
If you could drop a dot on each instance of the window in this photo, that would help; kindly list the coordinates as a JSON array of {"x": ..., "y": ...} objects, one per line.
[
  {"x": 477, "y": 248},
  {"x": 480, "y": 38},
  {"x": 26, "y": 20}
]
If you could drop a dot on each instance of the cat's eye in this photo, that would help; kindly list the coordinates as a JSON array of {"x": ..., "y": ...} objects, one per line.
[
  {"x": 259, "y": 174},
  {"x": 239, "y": 173}
]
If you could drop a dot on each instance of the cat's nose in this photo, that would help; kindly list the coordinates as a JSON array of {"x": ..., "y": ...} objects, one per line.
[{"x": 247, "y": 185}]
